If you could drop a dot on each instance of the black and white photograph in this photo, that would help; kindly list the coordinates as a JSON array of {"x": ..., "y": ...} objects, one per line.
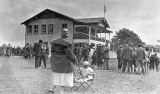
[{"x": 79, "y": 46}]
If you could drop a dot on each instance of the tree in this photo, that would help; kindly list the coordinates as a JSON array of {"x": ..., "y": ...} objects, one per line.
[{"x": 125, "y": 36}]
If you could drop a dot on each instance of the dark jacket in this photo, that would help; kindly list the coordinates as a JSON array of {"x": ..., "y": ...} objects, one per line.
[
  {"x": 37, "y": 49},
  {"x": 62, "y": 56},
  {"x": 140, "y": 54},
  {"x": 127, "y": 53},
  {"x": 119, "y": 51}
]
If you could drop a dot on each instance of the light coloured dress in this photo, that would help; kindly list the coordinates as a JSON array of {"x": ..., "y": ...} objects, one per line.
[{"x": 62, "y": 79}]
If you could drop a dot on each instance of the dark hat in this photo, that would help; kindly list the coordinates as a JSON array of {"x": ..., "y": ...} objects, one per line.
[
  {"x": 125, "y": 45},
  {"x": 140, "y": 45},
  {"x": 130, "y": 44},
  {"x": 65, "y": 32},
  {"x": 147, "y": 48},
  {"x": 40, "y": 41}
]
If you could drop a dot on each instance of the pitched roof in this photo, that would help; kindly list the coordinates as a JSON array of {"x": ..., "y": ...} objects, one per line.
[
  {"x": 95, "y": 21},
  {"x": 48, "y": 11}
]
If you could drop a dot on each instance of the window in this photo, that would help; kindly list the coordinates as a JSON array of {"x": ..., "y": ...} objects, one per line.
[
  {"x": 82, "y": 29},
  {"x": 64, "y": 25},
  {"x": 29, "y": 29},
  {"x": 43, "y": 29},
  {"x": 35, "y": 29},
  {"x": 50, "y": 29}
]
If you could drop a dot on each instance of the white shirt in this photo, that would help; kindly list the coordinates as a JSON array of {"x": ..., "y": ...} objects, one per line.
[{"x": 86, "y": 71}]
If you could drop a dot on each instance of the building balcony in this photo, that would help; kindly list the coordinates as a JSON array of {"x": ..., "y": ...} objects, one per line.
[{"x": 80, "y": 35}]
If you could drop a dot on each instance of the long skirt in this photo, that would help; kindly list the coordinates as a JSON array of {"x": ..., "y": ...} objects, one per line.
[{"x": 62, "y": 79}]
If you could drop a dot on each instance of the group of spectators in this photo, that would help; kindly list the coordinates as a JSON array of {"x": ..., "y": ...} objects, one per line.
[
  {"x": 28, "y": 51},
  {"x": 136, "y": 59},
  {"x": 40, "y": 51},
  {"x": 8, "y": 50},
  {"x": 97, "y": 56}
]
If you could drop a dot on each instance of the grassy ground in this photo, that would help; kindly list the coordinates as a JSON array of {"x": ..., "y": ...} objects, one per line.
[{"x": 21, "y": 77}]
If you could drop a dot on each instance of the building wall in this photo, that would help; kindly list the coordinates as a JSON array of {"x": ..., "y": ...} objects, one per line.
[{"x": 34, "y": 38}]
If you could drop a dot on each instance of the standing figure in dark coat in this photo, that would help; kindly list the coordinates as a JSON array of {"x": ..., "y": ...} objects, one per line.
[
  {"x": 44, "y": 55},
  {"x": 9, "y": 50},
  {"x": 4, "y": 48},
  {"x": 85, "y": 52},
  {"x": 94, "y": 58},
  {"x": 146, "y": 60},
  {"x": 119, "y": 51},
  {"x": 37, "y": 52},
  {"x": 99, "y": 56},
  {"x": 63, "y": 60},
  {"x": 154, "y": 62},
  {"x": 127, "y": 57},
  {"x": 106, "y": 57},
  {"x": 30, "y": 51},
  {"x": 134, "y": 57},
  {"x": 140, "y": 58},
  {"x": 18, "y": 51},
  {"x": 75, "y": 50},
  {"x": 26, "y": 51}
]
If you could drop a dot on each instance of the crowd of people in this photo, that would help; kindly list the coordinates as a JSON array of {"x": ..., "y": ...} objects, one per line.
[
  {"x": 96, "y": 55},
  {"x": 64, "y": 56},
  {"x": 136, "y": 59},
  {"x": 8, "y": 50},
  {"x": 40, "y": 52}
]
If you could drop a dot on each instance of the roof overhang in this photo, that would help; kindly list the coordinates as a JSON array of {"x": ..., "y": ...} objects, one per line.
[
  {"x": 59, "y": 15},
  {"x": 103, "y": 30}
]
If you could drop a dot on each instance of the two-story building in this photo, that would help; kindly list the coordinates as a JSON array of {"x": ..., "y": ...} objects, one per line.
[{"x": 47, "y": 25}]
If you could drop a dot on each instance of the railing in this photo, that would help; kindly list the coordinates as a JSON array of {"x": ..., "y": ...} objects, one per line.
[{"x": 80, "y": 35}]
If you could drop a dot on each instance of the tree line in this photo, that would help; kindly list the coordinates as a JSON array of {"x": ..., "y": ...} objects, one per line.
[{"x": 125, "y": 36}]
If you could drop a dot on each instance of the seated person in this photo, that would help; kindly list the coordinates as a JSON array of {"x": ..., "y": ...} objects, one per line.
[{"x": 86, "y": 72}]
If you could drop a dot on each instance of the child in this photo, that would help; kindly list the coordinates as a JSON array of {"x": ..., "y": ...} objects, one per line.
[{"x": 86, "y": 72}]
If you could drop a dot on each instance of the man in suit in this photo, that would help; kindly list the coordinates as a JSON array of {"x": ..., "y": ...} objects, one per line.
[
  {"x": 44, "y": 55},
  {"x": 119, "y": 51},
  {"x": 106, "y": 57},
  {"x": 140, "y": 57},
  {"x": 127, "y": 57},
  {"x": 37, "y": 52}
]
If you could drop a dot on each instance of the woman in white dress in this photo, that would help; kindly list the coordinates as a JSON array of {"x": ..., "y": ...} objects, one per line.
[{"x": 62, "y": 62}]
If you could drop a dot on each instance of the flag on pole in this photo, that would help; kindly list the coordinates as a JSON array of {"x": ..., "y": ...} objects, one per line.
[{"x": 104, "y": 9}]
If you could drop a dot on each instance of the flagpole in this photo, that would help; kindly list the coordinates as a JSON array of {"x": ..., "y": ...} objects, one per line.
[{"x": 104, "y": 8}]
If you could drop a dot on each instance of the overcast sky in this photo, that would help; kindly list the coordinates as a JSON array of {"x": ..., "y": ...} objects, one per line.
[{"x": 141, "y": 16}]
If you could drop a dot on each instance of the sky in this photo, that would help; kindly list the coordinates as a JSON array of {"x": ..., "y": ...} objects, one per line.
[{"x": 140, "y": 16}]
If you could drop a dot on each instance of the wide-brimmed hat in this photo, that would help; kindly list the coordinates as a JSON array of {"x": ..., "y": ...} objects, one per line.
[{"x": 86, "y": 63}]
